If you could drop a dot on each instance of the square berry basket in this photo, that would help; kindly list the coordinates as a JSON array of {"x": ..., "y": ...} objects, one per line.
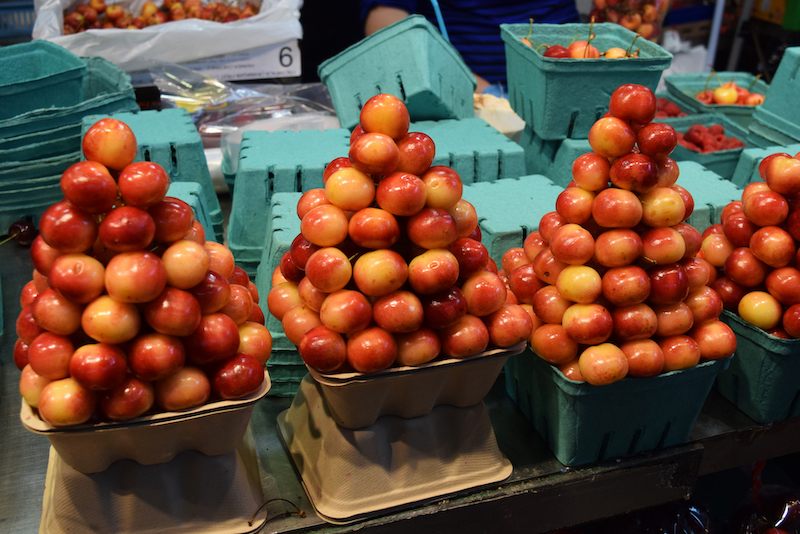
[{"x": 563, "y": 97}]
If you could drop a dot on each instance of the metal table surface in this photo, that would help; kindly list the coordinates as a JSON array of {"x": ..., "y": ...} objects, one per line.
[{"x": 540, "y": 495}]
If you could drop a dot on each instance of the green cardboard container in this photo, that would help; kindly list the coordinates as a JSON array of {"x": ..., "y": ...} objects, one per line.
[
  {"x": 170, "y": 138},
  {"x": 192, "y": 194},
  {"x": 710, "y": 192},
  {"x": 282, "y": 228},
  {"x": 284, "y": 161},
  {"x": 509, "y": 209},
  {"x": 410, "y": 60},
  {"x": 552, "y": 159},
  {"x": 762, "y": 378},
  {"x": 783, "y": 88},
  {"x": 22, "y": 188},
  {"x": 39, "y": 74},
  {"x": 20, "y": 171},
  {"x": 585, "y": 424},
  {"x": 106, "y": 89},
  {"x": 746, "y": 170},
  {"x": 53, "y": 131},
  {"x": 285, "y": 366},
  {"x": 563, "y": 97},
  {"x": 683, "y": 87},
  {"x": 41, "y": 149},
  {"x": 293, "y": 161},
  {"x": 768, "y": 129},
  {"x": 285, "y": 378},
  {"x": 722, "y": 162},
  {"x": 474, "y": 149}
]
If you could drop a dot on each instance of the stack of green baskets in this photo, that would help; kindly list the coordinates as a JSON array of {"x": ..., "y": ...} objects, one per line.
[
  {"x": 50, "y": 90},
  {"x": 776, "y": 121}
]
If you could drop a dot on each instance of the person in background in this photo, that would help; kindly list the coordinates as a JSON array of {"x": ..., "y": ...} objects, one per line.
[{"x": 473, "y": 27}]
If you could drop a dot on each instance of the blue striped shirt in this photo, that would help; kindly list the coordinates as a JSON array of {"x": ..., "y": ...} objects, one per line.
[{"x": 473, "y": 26}]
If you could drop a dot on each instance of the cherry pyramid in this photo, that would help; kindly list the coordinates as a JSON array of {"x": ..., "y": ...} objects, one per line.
[
  {"x": 754, "y": 249},
  {"x": 612, "y": 277},
  {"x": 388, "y": 268},
  {"x": 130, "y": 310}
]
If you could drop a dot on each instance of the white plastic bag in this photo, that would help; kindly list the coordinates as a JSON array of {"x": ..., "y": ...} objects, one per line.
[{"x": 180, "y": 41}]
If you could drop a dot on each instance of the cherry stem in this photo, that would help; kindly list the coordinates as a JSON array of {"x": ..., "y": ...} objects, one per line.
[
  {"x": 591, "y": 36},
  {"x": 9, "y": 238},
  {"x": 628, "y": 51},
  {"x": 530, "y": 30},
  {"x": 753, "y": 82},
  {"x": 708, "y": 80}
]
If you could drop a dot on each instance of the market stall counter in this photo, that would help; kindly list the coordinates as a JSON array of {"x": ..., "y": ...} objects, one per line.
[{"x": 540, "y": 495}]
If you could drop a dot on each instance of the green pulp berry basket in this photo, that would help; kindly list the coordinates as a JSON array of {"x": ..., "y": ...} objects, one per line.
[
  {"x": 746, "y": 170},
  {"x": 762, "y": 378},
  {"x": 784, "y": 87},
  {"x": 769, "y": 129},
  {"x": 410, "y": 60},
  {"x": 563, "y": 97},
  {"x": 585, "y": 424},
  {"x": 684, "y": 87},
  {"x": 38, "y": 75}
]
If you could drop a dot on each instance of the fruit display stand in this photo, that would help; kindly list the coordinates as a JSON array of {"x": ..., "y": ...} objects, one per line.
[
  {"x": 532, "y": 499},
  {"x": 339, "y": 425},
  {"x": 746, "y": 170},
  {"x": 684, "y": 87},
  {"x": 170, "y": 138},
  {"x": 171, "y": 497},
  {"x": 214, "y": 429}
]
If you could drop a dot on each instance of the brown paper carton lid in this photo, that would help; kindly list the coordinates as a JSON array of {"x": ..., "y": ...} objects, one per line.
[
  {"x": 353, "y": 474},
  {"x": 193, "y": 493}
]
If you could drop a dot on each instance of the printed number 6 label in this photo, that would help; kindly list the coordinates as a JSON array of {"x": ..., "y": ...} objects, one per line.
[{"x": 286, "y": 56}]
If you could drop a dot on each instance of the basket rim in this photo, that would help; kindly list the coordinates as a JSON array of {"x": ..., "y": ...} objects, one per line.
[{"x": 31, "y": 420}]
